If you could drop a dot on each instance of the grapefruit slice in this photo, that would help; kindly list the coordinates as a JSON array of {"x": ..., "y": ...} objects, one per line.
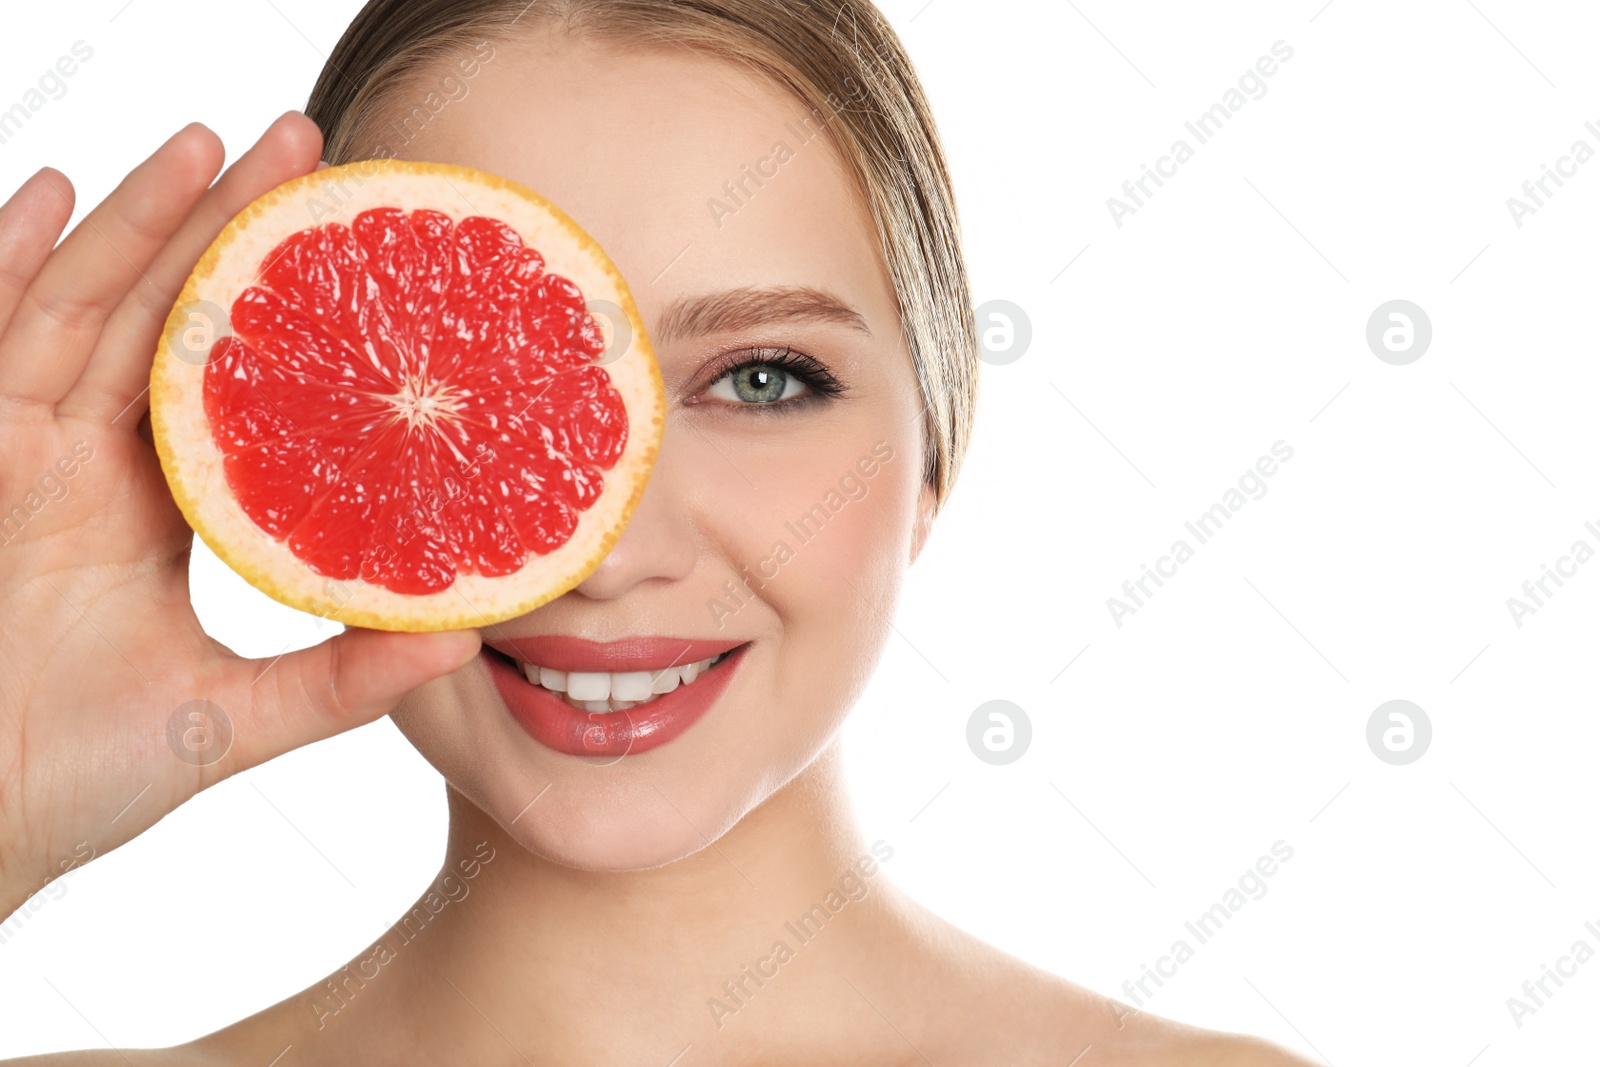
[{"x": 406, "y": 396}]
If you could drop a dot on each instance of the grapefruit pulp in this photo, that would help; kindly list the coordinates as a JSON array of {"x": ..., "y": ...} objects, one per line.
[{"x": 406, "y": 396}]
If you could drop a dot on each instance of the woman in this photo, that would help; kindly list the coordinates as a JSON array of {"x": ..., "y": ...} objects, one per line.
[{"x": 768, "y": 177}]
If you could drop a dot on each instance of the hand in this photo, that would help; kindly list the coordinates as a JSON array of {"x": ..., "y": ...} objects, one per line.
[{"x": 101, "y": 655}]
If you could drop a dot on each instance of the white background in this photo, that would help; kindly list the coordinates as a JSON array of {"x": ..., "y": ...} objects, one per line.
[{"x": 1230, "y": 712}]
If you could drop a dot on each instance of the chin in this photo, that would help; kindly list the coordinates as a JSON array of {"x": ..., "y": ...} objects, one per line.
[
  {"x": 484, "y": 730},
  {"x": 600, "y": 814},
  {"x": 609, "y": 841}
]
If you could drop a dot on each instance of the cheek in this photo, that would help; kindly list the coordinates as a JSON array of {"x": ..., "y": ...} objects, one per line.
[
  {"x": 825, "y": 503},
  {"x": 847, "y": 547},
  {"x": 830, "y": 566},
  {"x": 834, "y": 601},
  {"x": 436, "y": 718}
]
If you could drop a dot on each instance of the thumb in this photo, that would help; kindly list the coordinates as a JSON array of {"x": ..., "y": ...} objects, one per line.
[{"x": 345, "y": 682}]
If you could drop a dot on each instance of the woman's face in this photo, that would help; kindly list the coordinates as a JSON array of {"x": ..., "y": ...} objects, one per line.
[{"x": 777, "y": 516}]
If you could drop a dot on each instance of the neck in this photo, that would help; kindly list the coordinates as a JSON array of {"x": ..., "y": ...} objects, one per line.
[{"x": 735, "y": 941}]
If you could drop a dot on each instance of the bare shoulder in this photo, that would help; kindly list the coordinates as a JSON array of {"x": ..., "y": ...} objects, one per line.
[
  {"x": 1162, "y": 1042},
  {"x": 233, "y": 1046},
  {"x": 1155, "y": 1041},
  {"x": 181, "y": 1056},
  {"x": 1070, "y": 1021},
  {"x": 1245, "y": 1050},
  {"x": 996, "y": 1006}
]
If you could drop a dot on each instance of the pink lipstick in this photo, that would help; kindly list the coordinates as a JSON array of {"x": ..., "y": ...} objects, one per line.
[{"x": 616, "y": 698}]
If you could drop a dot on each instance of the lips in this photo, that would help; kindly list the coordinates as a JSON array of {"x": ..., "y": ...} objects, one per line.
[
  {"x": 556, "y": 724},
  {"x": 629, "y": 654}
]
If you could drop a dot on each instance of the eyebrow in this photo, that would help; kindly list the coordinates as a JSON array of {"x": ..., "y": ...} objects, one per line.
[{"x": 735, "y": 310}]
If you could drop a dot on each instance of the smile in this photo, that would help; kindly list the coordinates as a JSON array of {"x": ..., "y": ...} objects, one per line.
[
  {"x": 586, "y": 698},
  {"x": 603, "y": 692}
]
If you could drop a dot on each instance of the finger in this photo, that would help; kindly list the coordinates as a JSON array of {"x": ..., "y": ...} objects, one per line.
[
  {"x": 58, "y": 320},
  {"x": 118, "y": 372},
  {"x": 30, "y": 224},
  {"x": 343, "y": 683}
]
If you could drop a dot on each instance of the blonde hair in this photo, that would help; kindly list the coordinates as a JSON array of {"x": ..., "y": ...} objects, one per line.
[{"x": 882, "y": 127}]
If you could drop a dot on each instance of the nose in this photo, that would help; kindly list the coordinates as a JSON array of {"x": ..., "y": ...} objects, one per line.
[{"x": 659, "y": 542}]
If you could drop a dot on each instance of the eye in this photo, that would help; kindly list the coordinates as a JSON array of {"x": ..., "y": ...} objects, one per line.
[
  {"x": 757, "y": 383},
  {"x": 770, "y": 379}
]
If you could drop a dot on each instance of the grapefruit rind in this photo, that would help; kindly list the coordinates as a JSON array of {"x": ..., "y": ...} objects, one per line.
[{"x": 193, "y": 463}]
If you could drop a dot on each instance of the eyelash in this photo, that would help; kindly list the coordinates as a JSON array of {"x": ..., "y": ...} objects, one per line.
[{"x": 817, "y": 378}]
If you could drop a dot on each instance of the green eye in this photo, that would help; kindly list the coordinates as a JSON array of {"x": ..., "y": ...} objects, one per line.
[
  {"x": 757, "y": 383},
  {"x": 771, "y": 379}
]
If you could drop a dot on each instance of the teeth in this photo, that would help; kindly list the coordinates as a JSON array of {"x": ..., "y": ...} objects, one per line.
[
  {"x": 598, "y": 691},
  {"x": 630, "y": 685},
  {"x": 588, "y": 685}
]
